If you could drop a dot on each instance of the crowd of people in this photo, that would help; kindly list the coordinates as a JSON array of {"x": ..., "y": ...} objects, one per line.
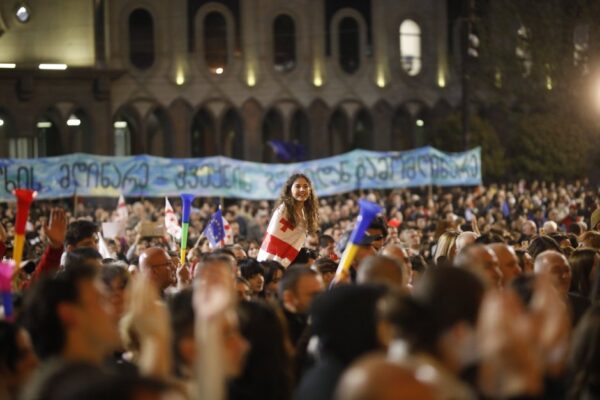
[{"x": 453, "y": 293}]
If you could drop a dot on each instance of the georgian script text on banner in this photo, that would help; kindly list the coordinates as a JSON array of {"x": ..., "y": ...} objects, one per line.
[{"x": 88, "y": 175}]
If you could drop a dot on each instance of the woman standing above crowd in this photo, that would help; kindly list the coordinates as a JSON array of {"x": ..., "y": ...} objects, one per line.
[{"x": 295, "y": 217}]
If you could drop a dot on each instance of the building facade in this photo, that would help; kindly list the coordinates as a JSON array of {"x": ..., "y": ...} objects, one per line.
[{"x": 194, "y": 78}]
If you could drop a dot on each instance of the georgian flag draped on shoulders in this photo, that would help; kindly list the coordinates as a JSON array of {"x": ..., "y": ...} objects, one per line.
[{"x": 282, "y": 241}]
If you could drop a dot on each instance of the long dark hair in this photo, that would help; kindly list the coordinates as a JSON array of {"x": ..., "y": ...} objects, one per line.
[
  {"x": 311, "y": 205},
  {"x": 582, "y": 261},
  {"x": 422, "y": 317},
  {"x": 584, "y": 364},
  {"x": 268, "y": 371}
]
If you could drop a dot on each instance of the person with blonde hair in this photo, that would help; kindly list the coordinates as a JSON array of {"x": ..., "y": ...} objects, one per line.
[{"x": 445, "y": 249}]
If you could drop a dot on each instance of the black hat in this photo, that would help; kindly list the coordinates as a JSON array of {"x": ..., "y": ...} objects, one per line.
[{"x": 344, "y": 319}]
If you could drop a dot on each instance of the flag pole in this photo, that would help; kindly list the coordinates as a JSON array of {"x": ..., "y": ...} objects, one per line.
[
  {"x": 187, "y": 200},
  {"x": 368, "y": 211}
]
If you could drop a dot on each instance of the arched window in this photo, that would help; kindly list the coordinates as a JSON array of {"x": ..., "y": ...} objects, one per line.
[
  {"x": 203, "y": 135},
  {"x": 362, "y": 135},
  {"x": 232, "y": 139},
  {"x": 158, "y": 132},
  {"x": 523, "y": 49},
  {"x": 125, "y": 131},
  {"x": 49, "y": 142},
  {"x": 422, "y": 120},
  {"x": 141, "y": 39},
  {"x": 581, "y": 44},
  {"x": 18, "y": 146},
  {"x": 402, "y": 130},
  {"x": 215, "y": 42},
  {"x": 80, "y": 132},
  {"x": 338, "y": 132},
  {"x": 410, "y": 47},
  {"x": 349, "y": 45},
  {"x": 272, "y": 129},
  {"x": 300, "y": 133},
  {"x": 284, "y": 43}
]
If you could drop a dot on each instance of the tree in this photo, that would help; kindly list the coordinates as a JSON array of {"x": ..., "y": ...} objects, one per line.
[
  {"x": 447, "y": 136},
  {"x": 529, "y": 67}
]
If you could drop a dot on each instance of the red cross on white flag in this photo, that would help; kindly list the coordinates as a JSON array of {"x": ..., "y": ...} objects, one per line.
[
  {"x": 282, "y": 241},
  {"x": 171, "y": 221},
  {"x": 122, "y": 212}
]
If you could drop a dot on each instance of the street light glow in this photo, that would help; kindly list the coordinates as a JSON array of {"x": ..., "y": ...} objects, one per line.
[
  {"x": 73, "y": 121},
  {"x": 53, "y": 67}
]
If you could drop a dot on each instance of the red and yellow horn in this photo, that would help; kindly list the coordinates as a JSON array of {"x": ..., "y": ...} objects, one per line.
[{"x": 24, "y": 199}]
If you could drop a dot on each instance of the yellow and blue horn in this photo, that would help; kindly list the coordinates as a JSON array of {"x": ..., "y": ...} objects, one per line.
[
  {"x": 186, "y": 208},
  {"x": 368, "y": 211}
]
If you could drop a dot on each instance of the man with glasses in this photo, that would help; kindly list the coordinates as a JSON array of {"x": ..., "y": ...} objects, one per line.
[
  {"x": 157, "y": 263},
  {"x": 378, "y": 231}
]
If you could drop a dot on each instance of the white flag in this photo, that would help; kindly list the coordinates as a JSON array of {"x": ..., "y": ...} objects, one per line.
[
  {"x": 228, "y": 232},
  {"x": 103, "y": 248},
  {"x": 171, "y": 221},
  {"x": 122, "y": 212}
]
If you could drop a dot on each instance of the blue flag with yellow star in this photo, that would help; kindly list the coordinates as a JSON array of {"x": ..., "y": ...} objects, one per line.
[{"x": 215, "y": 231}]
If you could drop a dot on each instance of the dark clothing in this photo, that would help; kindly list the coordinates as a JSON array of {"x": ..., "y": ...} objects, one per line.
[
  {"x": 579, "y": 306},
  {"x": 320, "y": 382},
  {"x": 525, "y": 238},
  {"x": 296, "y": 324},
  {"x": 344, "y": 320},
  {"x": 55, "y": 378}
]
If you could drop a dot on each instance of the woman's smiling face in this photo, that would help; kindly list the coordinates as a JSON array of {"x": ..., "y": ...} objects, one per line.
[{"x": 300, "y": 189}]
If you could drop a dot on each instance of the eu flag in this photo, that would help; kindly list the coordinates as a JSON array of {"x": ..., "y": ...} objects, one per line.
[
  {"x": 288, "y": 151},
  {"x": 215, "y": 231}
]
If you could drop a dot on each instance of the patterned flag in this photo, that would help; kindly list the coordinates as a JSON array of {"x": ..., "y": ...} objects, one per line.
[
  {"x": 171, "y": 222},
  {"x": 228, "y": 232},
  {"x": 122, "y": 213},
  {"x": 282, "y": 241},
  {"x": 215, "y": 231}
]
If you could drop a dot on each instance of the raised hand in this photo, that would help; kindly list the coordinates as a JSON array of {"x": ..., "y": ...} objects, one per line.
[
  {"x": 56, "y": 229},
  {"x": 148, "y": 317},
  {"x": 552, "y": 322},
  {"x": 184, "y": 276},
  {"x": 510, "y": 364}
]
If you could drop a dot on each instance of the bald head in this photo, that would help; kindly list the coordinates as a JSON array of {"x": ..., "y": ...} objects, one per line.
[
  {"x": 396, "y": 252},
  {"x": 550, "y": 227},
  {"x": 382, "y": 270},
  {"x": 555, "y": 265},
  {"x": 400, "y": 254},
  {"x": 481, "y": 260},
  {"x": 529, "y": 228},
  {"x": 156, "y": 262},
  {"x": 465, "y": 239},
  {"x": 375, "y": 378},
  {"x": 508, "y": 262}
]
